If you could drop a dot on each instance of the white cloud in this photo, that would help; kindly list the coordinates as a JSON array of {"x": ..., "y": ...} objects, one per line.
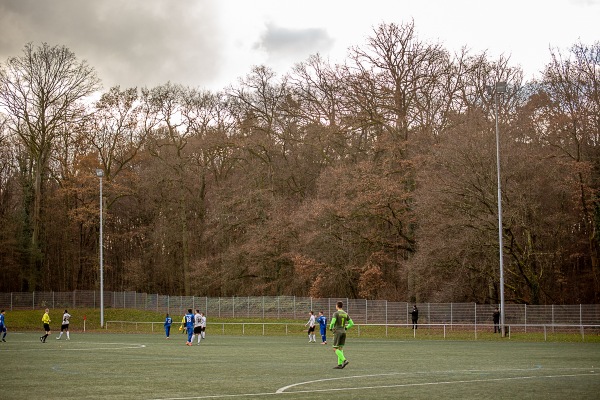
[{"x": 211, "y": 43}]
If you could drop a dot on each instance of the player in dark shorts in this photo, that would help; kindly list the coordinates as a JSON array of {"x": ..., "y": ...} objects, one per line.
[
  {"x": 65, "y": 325},
  {"x": 311, "y": 327},
  {"x": 340, "y": 322},
  {"x": 197, "y": 326},
  {"x": 46, "y": 322}
]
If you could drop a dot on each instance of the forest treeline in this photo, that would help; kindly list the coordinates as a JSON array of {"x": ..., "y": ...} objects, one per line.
[{"x": 374, "y": 178}]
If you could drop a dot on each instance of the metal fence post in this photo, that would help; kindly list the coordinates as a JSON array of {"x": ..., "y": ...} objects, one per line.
[
  {"x": 475, "y": 321},
  {"x": 386, "y": 319}
]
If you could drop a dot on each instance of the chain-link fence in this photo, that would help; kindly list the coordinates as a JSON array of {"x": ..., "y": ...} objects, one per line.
[{"x": 297, "y": 308}]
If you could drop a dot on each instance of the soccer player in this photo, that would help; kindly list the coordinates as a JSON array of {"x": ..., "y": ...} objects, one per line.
[
  {"x": 46, "y": 322},
  {"x": 189, "y": 325},
  {"x": 65, "y": 325},
  {"x": 203, "y": 325},
  {"x": 340, "y": 322},
  {"x": 311, "y": 327},
  {"x": 167, "y": 324},
  {"x": 322, "y": 320},
  {"x": 2, "y": 326},
  {"x": 197, "y": 326}
]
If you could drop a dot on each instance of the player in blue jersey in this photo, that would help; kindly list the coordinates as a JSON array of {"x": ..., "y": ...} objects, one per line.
[
  {"x": 322, "y": 320},
  {"x": 167, "y": 324},
  {"x": 2, "y": 326},
  {"x": 189, "y": 325}
]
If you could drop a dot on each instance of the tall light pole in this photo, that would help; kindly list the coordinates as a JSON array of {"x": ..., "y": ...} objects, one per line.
[
  {"x": 100, "y": 174},
  {"x": 499, "y": 89}
]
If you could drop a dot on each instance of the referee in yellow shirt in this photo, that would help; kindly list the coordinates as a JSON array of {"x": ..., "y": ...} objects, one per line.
[{"x": 46, "y": 322}]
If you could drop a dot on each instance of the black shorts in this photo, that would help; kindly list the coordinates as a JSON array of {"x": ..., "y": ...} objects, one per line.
[
  {"x": 64, "y": 327},
  {"x": 197, "y": 329},
  {"x": 47, "y": 327},
  {"x": 311, "y": 329},
  {"x": 203, "y": 328}
]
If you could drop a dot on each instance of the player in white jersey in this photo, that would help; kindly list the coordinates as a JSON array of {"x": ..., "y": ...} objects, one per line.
[
  {"x": 65, "y": 325},
  {"x": 203, "y": 325},
  {"x": 197, "y": 326},
  {"x": 311, "y": 328}
]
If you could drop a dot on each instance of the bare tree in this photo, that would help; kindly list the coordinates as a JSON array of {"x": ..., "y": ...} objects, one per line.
[{"x": 40, "y": 90}]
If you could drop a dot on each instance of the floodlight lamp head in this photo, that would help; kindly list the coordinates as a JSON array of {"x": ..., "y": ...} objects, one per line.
[
  {"x": 99, "y": 173},
  {"x": 501, "y": 87}
]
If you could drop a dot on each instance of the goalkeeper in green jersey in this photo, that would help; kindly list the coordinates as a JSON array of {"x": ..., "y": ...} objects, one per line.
[{"x": 340, "y": 322}]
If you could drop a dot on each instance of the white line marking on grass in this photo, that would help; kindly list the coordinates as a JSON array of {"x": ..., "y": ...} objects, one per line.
[
  {"x": 440, "y": 383},
  {"x": 126, "y": 346},
  {"x": 61, "y": 348},
  {"x": 282, "y": 391},
  {"x": 478, "y": 371}
]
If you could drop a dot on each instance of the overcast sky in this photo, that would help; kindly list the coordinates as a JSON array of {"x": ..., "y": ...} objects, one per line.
[{"x": 211, "y": 43}]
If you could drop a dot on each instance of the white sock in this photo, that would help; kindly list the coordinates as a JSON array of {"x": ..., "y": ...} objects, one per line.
[
  {"x": 68, "y": 335},
  {"x": 60, "y": 335}
]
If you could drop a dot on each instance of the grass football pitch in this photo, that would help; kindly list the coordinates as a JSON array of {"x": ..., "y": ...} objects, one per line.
[{"x": 147, "y": 366}]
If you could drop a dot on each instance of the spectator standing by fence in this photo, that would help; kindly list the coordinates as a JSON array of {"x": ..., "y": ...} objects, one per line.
[
  {"x": 167, "y": 325},
  {"x": 415, "y": 316},
  {"x": 46, "y": 322},
  {"x": 2, "y": 326},
  {"x": 65, "y": 325},
  {"x": 496, "y": 317}
]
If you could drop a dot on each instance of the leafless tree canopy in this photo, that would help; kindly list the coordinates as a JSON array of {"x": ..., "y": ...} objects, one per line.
[{"x": 373, "y": 179}]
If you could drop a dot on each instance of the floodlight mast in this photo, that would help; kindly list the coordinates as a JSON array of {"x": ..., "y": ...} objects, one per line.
[
  {"x": 500, "y": 88},
  {"x": 100, "y": 174}
]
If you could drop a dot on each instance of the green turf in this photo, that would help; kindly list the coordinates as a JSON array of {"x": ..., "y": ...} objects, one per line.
[{"x": 147, "y": 366}]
